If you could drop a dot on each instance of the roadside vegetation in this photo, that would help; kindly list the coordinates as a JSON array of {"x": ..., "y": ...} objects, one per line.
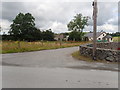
[
  {"x": 23, "y": 28},
  {"x": 116, "y": 39},
  {"x": 22, "y": 46},
  {"x": 78, "y": 56},
  {"x": 25, "y": 36}
]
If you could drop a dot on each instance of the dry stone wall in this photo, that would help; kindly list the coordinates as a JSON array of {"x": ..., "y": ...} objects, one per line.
[
  {"x": 112, "y": 55},
  {"x": 109, "y": 45}
]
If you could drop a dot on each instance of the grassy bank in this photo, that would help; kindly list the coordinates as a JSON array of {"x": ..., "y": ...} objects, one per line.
[
  {"x": 78, "y": 56},
  {"x": 116, "y": 39},
  {"x": 22, "y": 46}
]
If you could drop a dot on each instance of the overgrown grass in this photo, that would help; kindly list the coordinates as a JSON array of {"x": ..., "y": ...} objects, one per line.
[
  {"x": 78, "y": 56},
  {"x": 116, "y": 39},
  {"x": 22, "y": 46}
]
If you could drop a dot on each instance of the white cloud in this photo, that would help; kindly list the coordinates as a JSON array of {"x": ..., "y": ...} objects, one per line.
[
  {"x": 113, "y": 21},
  {"x": 5, "y": 25},
  {"x": 88, "y": 29},
  {"x": 57, "y": 27},
  {"x": 108, "y": 28},
  {"x": 56, "y": 15}
]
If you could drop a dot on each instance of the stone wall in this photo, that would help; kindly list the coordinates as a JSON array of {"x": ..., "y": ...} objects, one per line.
[
  {"x": 109, "y": 45},
  {"x": 101, "y": 53}
]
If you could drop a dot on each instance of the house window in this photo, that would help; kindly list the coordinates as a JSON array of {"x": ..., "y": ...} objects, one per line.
[
  {"x": 111, "y": 38},
  {"x": 103, "y": 35},
  {"x": 99, "y": 38}
]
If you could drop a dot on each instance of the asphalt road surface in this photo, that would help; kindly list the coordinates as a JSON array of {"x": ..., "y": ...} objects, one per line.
[{"x": 55, "y": 69}]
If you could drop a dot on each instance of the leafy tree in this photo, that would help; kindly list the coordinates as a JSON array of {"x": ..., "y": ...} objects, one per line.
[
  {"x": 48, "y": 35},
  {"x": 116, "y": 34},
  {"x": 75, "y": 36},
  {"x": 37, "y": 34},
  {"x": 23, "y": 27},
  {"x": 78, "y": 23},
  {"x": 16, "y": 26},
  {"x": 0, "y": 34},
  {"x": 0, "y": 29}
]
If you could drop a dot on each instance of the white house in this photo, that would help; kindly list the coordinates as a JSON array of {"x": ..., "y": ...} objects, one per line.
[
  {"x": 108, "y": 38},
  {"x": 99, "y": 35}
]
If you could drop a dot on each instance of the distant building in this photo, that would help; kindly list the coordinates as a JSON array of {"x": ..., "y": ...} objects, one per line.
[
  {"x": 101, "y": 36},
  {"x": 58, "y": 37},
  {"x": 66, "y": 38},
  {"x": 108, "y": 38}
]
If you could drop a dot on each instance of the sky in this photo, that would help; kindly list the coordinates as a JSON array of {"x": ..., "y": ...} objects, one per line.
[{"x": 56, "y": 15}]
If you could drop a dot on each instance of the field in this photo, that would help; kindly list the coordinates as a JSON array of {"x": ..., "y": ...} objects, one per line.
[
  {"x": 22, "y": 46},
  {"x": 116, "y": 39}
]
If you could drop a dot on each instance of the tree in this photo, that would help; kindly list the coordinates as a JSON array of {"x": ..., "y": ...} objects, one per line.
[
  {"x": 23, "y": 27},
  {"x": 75, "y": 36},
  {"x": 0, "y": 29},
  {"x": 116, "y": 34},
  {"x": 0, "y": 34},
  {"x": 48, "y": 35},
  {"x": 77, "y": 25}
]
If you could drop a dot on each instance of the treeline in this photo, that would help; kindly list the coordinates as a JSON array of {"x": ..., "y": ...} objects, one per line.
[
  {"x": 76, "y": 36},
  {"x": 46, "y": 35},
  {"x": 23, "y": 29},
  {"x": 117, "y": 34}
]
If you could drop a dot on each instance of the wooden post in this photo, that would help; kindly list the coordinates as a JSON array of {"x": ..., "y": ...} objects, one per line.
[
  {"x": 61, "y": 37},
  {"x": 42, "y": 42},
  {"x": 94, "y": 28},
  {"x": 19, "y": 46},
  {"x": 60, "y": 42}
]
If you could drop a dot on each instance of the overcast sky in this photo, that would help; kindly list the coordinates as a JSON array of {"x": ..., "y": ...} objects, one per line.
[{"x": 56, "y": 15}]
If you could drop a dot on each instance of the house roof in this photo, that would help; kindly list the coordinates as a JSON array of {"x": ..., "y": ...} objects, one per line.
[
  {"x": 89, "y": 35},
  {"x": 108, "y": 36},
  {"x": 59, "y": 36}
]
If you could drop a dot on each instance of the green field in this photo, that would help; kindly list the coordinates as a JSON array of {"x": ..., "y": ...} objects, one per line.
[
  {"x": 116, "y": 39},
  {"x": 22, "y": 46}
]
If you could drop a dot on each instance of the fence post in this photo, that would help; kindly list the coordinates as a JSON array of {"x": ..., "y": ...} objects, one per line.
[{"x": 19, "y": 46}]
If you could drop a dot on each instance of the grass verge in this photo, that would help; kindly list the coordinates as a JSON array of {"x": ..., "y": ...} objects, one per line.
[
  {"x": 22, "y": 46},
  {"x": 116, "y": 39},
  {"x": 78, "y": 56}
]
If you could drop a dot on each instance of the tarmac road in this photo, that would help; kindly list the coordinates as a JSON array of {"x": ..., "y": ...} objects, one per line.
[{"x": 55, "y": 69}]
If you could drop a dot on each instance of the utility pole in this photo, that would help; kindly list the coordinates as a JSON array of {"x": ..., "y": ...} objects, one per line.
[
  {"x": 94, "y": 28},
  {"x": 61, "y": 37}
]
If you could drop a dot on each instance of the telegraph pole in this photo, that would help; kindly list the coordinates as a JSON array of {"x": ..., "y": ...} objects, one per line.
[{"x": 94, "y": 28}]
